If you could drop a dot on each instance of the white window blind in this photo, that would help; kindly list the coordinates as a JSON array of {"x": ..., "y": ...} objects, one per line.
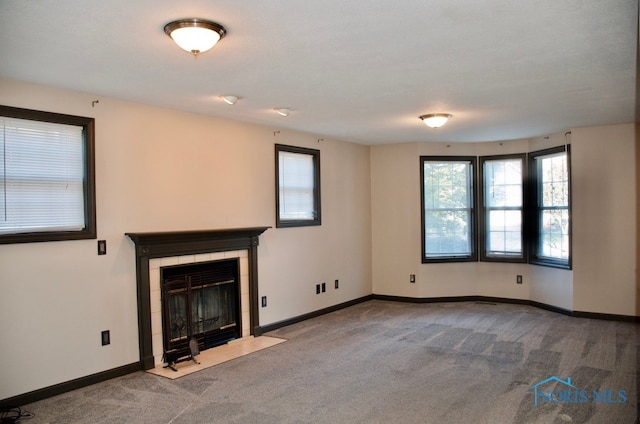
[
  {"x": 41, "y": 177},
  {"x": 296, "y": 186}
]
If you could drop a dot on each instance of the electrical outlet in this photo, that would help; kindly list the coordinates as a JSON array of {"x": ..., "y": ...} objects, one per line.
[
  {"x": 106, "y": 338},
  {"x": 102, "y": 247},
  {"x": 337, "y": 284},
  {"x": 324, "y": 287},
  {"x": 317, "y": 288},
  {"x": 518, "y": 279},
  {"x": 412, "y": 278},
  {"x": 264, "y": 301}
]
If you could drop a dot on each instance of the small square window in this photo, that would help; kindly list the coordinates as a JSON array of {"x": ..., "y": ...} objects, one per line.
[{"x": 297, "y": 186}]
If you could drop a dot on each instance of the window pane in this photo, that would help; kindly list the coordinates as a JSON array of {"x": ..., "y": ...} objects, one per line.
[
  {"x": 554, "y": 234},
  {"x": 296, "y": 186},
  {"x": 551, "y": 177},
  {"x": 504, "y": 232},
  {"x": 555, "y": 180},
  {"x": 3, "y": 181},
  {"x": 448, "y": 233},
  {"x": 502, "y": 207},
  {"x": 447, "y": 189},
  {"x": 43, "y": 177},
  {"x": 503, "y": 183}
]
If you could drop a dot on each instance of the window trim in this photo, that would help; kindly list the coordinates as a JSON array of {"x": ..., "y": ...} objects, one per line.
[
  {"x": 473, "y": 256},
  {"x": 315, "y": 155},
  {"x": 88, "y": 125},
  {"x": 533, "y": 214},
  {"x": 483, "y": 210}
]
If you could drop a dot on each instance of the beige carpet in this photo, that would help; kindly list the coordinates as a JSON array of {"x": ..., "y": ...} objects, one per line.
[{"x": 210, "y": 357}]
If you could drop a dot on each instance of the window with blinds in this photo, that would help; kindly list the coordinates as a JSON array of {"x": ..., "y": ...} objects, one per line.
[
  {"x": 46, "y": 176},
  {"x": 297, "y": 186}
]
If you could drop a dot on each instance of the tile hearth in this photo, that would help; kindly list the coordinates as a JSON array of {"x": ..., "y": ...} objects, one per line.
[{"x": 217, "y": 355}]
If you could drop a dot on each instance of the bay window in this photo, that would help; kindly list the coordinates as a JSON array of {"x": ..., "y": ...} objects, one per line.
[{"x": 523, "y": 212}]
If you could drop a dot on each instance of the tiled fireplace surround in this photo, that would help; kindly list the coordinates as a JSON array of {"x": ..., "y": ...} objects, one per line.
[
  {"x": 155, "y": 289},
  {"x": 155, "y": 250}
]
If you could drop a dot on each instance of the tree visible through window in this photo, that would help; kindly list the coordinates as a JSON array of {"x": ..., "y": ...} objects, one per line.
[
  {"x": 448, "y": 208},
  {"x": 517, "y": 222},
  {"x": 550, "y": 171},
  {"x": 502, "y": 207}
]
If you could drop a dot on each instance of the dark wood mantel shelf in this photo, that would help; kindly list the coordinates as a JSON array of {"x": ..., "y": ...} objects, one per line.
[
  {"x": 171, "y": 243},
  {"x": 178, "y": 243}
]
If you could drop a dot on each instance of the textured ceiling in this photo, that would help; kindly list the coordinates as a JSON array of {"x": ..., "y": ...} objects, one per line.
[{"x": 356, "y": 70}]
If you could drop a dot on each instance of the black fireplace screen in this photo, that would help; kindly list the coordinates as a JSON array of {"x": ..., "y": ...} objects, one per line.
[{"x": 202, "y": 301}]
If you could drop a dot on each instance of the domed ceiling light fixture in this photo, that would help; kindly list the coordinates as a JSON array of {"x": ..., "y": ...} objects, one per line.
[
  {"x": 435, "y": 120},
  {"x": 195, "y": 35},
  {"x": 283, "y": 111},
  {"x": 229, "y": 99}
]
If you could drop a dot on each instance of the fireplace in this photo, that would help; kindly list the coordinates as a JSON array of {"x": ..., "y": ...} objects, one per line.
[
  {"x": 157, "y": 258},
  {"x": 200, "y": 301}
]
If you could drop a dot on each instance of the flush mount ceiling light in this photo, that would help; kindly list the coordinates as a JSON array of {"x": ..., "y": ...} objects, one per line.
[
  {"x": 195, "y": 35},
  {"x": 435, "y": 120},
  {"x": 283, "y": 111},
  {"x": 230, "y": 100}
]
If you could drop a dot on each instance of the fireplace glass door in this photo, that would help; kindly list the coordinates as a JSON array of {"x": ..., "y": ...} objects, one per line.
[{"x": 201, "y": 301}]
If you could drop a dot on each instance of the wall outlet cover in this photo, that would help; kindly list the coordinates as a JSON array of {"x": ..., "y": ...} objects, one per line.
[
  {"x": 102, "y": 247},
  {"x": 106, "y": 337}
]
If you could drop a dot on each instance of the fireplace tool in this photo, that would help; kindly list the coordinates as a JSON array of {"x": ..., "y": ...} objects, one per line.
[{"x": 171, "y": 357}]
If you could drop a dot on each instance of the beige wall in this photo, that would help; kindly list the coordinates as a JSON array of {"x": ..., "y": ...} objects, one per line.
[
  {"x": 604, "y": 189},
  {"x": 604, "y": 219},
  {"x": 395, "y": 202},
  {"x": 163, "y": 170}
]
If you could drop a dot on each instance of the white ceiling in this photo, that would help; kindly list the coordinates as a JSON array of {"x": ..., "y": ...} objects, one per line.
[{"x": 355, "y": 70}]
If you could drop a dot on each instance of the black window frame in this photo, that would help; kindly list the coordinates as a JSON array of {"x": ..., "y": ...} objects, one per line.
[
  {"x": 315, "y": 155},
  {"x": 473, "y": 255},
  {"x": 88, "y": 130},
  {"x": 483, "y": 213},
  {"x": 533, "y": 210}
]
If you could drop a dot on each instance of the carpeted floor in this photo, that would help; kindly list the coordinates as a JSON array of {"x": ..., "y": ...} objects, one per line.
[{"x": 389, "y": 362}]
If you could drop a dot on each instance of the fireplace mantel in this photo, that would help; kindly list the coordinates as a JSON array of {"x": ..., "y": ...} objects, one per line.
[
  {"x": 178, "y": 243},
  {"x": 171, "y": 243}
]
